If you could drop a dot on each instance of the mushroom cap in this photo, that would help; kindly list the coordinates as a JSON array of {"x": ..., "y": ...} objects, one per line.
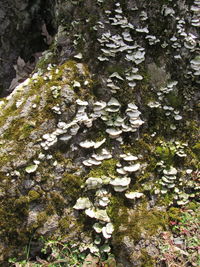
[
  {"x": 82, "y": 203},
  {"x": 98, "y": 214},
  {"x": 171, "y": 171},
  {"x": 113, "y": 102},
  {"x": 132, "y": 106},
  {"x": 113, "y": 132},
  {"x": 132, "y": 168},
  {"x": 128, "y": 157},
  {"x": 94, "y": 183},
  {"x": 120, "y": 181},
  {"x": 81, "y": 103},
  {"x": 31, "y": 168},
  {"x": 133, "y": 195},
  {"x": 87, "y": 144}
]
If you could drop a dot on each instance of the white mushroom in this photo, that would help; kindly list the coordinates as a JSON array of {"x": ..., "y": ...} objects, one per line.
[
  {"x": 132, "y": 168},
  {"x": 120, "y": 181},
  {"x": 76, "y": 84},
  {"x": 98, "y": 227},
  {"x": 82, "y": 203},
  {"x": 113, "y": 102},
  {"x": 31, "y": 168},
  {"x": 171, "y": 171},
  {"x": 87, "y": 144},
  {"x": 93, "y": 183},
  {"x": 114, "y": 133},
  {"x": 116, "y": 75},
  {"x": 98, "y": 144},
  {"x": 98, "y": 214},
  {"x": 128, "y": 157},
  {"x": 133, "y": 195},
  {"x": 79, "y": 56}
]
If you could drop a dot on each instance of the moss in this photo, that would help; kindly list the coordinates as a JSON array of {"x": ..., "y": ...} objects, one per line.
[
  {"x": 12, "y": 216},
  {"x": 175, "y": 100},
  {"x": 166, "y": 153},
  {"x": 38, "y": 91},
  {"x": 58, "y": 202},
  {"x": 166, "y": 200},
  {"x": 193, "y": 205},
  {"x": 21, "y": 202},
  {"x": 64, "y": 224},
  {"x": 133, "y": 223},
  {"x": 71, "y": 185},
  {"x": 41, "y": 218},
  {"x": 33, "y": 195},
  {"x": 196, "y": 149},
  {"x": 14, "y": 211},
  {"x": 44, "y": 61},
  {"x": 146, "y": 259},
  {"x": 115, "y": 68},
  {"x": 140, "y": 146},
  {"x": 174, "y": 214},
  {"x": 19, "y": 130},
  {"x": 107, "y": 168},
  {"x": 49, "y": 209}
]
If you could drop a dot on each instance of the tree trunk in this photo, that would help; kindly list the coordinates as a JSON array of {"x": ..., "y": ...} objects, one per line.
[{"x": 99, "y": 130}]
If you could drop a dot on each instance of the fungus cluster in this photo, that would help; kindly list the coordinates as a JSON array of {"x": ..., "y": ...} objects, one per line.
[
  {"x": 168, "y": 179},
  {"x": 119, "y": 120},
  {"x": 123, "y": 44},
  {"x": 162, "y": 103}
]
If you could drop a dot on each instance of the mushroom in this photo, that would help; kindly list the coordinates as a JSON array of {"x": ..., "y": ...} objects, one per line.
[
  {"x": 133, "y": 195},
  {"x": 93, "y": 183},
  {"x": 132, "y": 168},
  {"x": 82, "y": 203},
  {"x": 31, "y": 168},
  {"x": 113, "y": 133}
]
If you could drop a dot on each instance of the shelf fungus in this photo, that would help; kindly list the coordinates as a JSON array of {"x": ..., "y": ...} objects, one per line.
[
  {"x": 98, "y": 214},
  {"x": 133, "y": 195},
  {"x": 82, "y": 203},
  {"x": 93, "y": 183},
  {"x": 120, "y": 184},
  {"x": 132, "y": 168},
  {"x": 107, "y": 230},
  {"x": 92, "y": 144},
  {"x": 31, "y": 168}
]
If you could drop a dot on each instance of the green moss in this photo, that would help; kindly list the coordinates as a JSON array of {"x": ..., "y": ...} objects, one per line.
[
  {"x": 175, "y": 100},
  {"x": 64, "y": 224},
  {"x": 14, "y": 211},
  {"x": 166, "y": 153},
  {"x": 166, "y": 200},
  {"x": 12, "y": 216},
  {"x": 58, "y": 202},
  {"x": 44, "y": 61},
  {"x": 196, "y": 149},
  {"x": 115, "y": 68},
  {"x": 71, "y": 185},
  {"x": 146, "y": 259},
  {"x": 41, "y": 218},
  {"x": 134, "y": 222},
  {"x": 21, "y": 201},
  {"x": 193, "y": 205},
  {"x": 33, "y": 195},
  {"x": 140, "y": 146},
  {"x": 107, "y": 168},
  {"x": 174, "y": 214}
]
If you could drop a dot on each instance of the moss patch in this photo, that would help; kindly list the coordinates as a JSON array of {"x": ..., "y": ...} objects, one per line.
[
  {"x": 134, "y": 222},
  {"x": 107, "y": 168}
]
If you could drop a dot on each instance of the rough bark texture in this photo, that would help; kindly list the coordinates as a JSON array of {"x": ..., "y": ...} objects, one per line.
[
  {"x": 21, "y": 27},
  {"x": 124, "y": 73}
]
